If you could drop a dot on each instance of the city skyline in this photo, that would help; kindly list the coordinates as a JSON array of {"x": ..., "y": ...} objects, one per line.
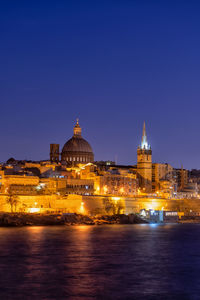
[
  {"x": 99, "y": 152},
  {"x": 143, "y": 144},
  {"x": 113, "y": 65}
]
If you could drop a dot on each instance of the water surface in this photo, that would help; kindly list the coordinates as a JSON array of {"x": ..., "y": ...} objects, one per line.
[{"x": 100, "y": 262}]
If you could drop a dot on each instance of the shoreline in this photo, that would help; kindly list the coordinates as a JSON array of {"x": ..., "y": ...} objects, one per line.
[
  {"x": 28, "y": 219},
  {"x": 73, "y": 219}
]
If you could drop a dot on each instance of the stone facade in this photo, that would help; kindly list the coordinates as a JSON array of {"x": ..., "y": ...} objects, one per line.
[
  {"x": 144, "y": 164},
  {"x": 54, "y": 153},
  {"x": 163, "y": 179}
]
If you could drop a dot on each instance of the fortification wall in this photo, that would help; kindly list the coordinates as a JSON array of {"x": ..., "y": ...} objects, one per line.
[
  {"x": 42, "y": 203},
  {"x": 95, "y": 204}
]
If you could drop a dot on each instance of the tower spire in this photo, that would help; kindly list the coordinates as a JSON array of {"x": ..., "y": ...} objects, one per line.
[
  {"x": 144, "y": 130},
  {"x": 144, "y": 142}
]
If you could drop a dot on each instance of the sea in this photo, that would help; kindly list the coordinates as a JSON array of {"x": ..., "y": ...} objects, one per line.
[{"x": 100, "y": 262}]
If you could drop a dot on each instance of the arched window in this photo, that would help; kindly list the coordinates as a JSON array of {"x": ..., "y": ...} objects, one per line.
[{"x": 70, "y": 159}]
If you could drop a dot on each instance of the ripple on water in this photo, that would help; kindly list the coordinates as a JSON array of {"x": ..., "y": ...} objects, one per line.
[{"x": 102, "y": 262}]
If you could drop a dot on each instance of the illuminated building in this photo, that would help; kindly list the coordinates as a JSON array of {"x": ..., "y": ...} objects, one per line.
[
  {"x": 181, "y": 176},
  {"x": 53, "y": 185},
  {"x": 190, "y": 191},
  {"x": 65, "y": 186},
  {"x": 144, "y": 164},
  {"x": 78, "y": 184},
  {"x": 111, "y": 180},
  {"x": 162, "y": 179},
  {"x": 77, "y": 150},
  {"x": 18, "y": 183}
]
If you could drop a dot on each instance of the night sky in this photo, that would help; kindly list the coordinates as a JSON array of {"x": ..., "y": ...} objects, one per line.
[{"x": 112, "y": 64}]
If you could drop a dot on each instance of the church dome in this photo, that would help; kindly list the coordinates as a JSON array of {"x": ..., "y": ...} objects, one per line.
[
  {"x": 77, "y": 144},
  {"x": 77, "y": 150}
]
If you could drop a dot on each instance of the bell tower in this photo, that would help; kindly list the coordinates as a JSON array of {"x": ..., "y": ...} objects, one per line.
[
  {"x": 144, "y": 164},
  {"x": 54, "y": 153}
]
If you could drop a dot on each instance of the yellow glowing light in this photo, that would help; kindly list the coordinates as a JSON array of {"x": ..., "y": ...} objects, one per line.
[
  {"x": 115, "y": 198},
  {"x": 85, "y": 165},
  {"x": 105, "y": 189},
  {"x": 82, "y": 209},
  {"x": 34, "y": 210},
  {"x": 122, "y": 190}
]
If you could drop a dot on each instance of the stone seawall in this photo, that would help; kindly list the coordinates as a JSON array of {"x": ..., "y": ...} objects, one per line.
[
  {"x": 18, "y": 219},
  {"x": 94, "y": 205}
]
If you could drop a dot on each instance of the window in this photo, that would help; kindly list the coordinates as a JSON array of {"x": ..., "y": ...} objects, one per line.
[{"x": 171, "y": 213}]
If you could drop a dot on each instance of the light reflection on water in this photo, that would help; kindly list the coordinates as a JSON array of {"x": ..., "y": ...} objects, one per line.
[{"x": 101, "y": 262}]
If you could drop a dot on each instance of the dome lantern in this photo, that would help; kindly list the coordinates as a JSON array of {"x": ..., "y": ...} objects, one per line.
[{"x": 77, "y": 129}]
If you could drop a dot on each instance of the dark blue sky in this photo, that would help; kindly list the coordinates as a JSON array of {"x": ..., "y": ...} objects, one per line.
[{"x": 113, "y": 64}]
